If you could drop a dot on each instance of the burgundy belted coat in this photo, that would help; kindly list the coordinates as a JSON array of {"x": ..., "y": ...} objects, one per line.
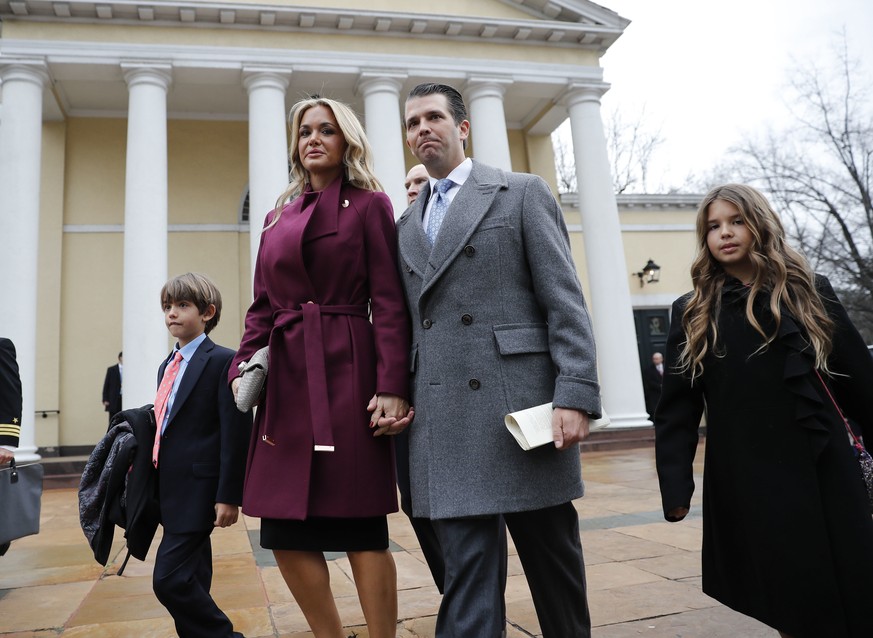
[{"x": 326, "y": 265}]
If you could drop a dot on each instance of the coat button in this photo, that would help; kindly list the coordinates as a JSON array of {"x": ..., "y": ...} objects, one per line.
[
  {"x": 474, "y": 383},
  {"x": 466, "y": 319},
  {"x": 408, "y": 268},
  {"x": 469, "y": 251},
  {"x": 426, "y": 324}
]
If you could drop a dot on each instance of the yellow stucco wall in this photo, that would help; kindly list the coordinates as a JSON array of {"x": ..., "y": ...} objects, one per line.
[
  {"x": 209, "y": 171},
  {"x": 96, "y": 151},
  {"x": 49, "y": 293},
  {"x": 671, "y": 250},
  {"x": 208, "y": 175}
]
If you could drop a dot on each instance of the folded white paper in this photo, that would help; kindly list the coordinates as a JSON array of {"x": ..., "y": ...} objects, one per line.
[{"x": 533, "y": 427}]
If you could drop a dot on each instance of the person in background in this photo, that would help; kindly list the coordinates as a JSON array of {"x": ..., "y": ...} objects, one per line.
[
  {"x": 764, "y": 347},
  {"x": 321, "y": 469},
  {"x": 112, "y": 388},
  {"x": 423, "y": 528},
  {"x": 10, "y": 409},
  {"x": 653, "y": 374},
  {"x": 499, "y": 324},
  {"x": 415, "y": 179}
]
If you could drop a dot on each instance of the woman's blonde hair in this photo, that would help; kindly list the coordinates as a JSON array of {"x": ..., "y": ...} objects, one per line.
[
  {"x": 781, "y": 272},
  {"x": 357, "y": 158}
]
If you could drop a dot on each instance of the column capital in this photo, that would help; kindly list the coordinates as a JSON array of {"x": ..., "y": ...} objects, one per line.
[
  {"x": 25, "y": 69},
  {"x": 478, "y": 87},
  {"x": 263, "y": 76},
  {"x": 577, "y": 93},
  {"x": 147, "y": 72},
  {"x": 370, "y": 82}
]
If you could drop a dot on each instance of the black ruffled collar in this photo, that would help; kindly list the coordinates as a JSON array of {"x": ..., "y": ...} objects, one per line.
[{"x": 799, "y": 372}]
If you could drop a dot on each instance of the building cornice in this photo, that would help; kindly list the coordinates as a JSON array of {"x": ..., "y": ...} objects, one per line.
[
  {"x": 562, "y": 24},
  {"x": 644, "y": 201},
  {"x": 217, "y": 57}
]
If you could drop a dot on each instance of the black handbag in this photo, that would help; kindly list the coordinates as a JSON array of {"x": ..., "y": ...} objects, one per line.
[{"x": 20, "y": 495}]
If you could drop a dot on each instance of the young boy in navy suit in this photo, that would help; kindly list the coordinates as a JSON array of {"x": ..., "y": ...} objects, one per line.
[{"x": 200, "y": 454}]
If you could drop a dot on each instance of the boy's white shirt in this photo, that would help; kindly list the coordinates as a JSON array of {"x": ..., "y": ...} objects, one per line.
[{"x": 187, "y": 351}]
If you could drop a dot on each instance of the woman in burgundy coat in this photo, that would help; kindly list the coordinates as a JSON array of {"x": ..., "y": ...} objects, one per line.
[{"x": 320, "y": 474}]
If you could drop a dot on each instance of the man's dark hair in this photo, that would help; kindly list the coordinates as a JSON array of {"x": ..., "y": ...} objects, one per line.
[{"x": 455, "y": 101}]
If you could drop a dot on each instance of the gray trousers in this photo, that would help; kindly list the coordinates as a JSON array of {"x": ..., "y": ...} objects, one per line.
[{"x": 550, "y": 551}]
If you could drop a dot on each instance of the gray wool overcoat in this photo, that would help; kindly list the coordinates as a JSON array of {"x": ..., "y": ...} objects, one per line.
[{"x": 499, "y": 324}]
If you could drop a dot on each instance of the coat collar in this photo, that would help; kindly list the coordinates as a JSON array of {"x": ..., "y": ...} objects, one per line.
[
  {"x": 312, "y": 215},
  {"x": 414, "y": 246},
  {"x": 323, "y": 217},
  {"x": 468, "y": 208}
]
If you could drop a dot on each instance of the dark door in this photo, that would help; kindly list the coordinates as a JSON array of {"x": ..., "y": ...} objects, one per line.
[{"x": 652, "y": 325}]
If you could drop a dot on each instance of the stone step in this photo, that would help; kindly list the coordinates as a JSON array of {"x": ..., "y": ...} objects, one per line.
[
  {"x": 62, "y": 471},
  {"x": 619, "y": 439}
]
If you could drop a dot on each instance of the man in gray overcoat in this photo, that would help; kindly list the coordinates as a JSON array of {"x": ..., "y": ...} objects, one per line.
[{"x": 499, "y": 324}]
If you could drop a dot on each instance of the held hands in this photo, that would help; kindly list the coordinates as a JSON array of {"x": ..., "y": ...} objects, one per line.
[
  {"x": 568, "y": 427},
  {"x": 6, "y": 455},
  {"x": 225, "y": 514},
  {"x": 390, "y": 414},
  {"x": 234, "y": 387}
]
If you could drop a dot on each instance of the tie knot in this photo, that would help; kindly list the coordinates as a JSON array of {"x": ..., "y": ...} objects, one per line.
[
  {"x": 443, "y": 185},
  {"x": 177, "y": 357}
]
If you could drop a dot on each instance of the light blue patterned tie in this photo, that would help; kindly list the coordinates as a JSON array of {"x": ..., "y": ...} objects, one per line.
[{"x": 438, "y": 211}]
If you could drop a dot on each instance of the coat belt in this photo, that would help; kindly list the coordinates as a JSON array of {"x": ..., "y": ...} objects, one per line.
[{"x": 316, "y": 370}]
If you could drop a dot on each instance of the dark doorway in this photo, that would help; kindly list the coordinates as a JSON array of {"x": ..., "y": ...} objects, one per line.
[{"x": 652, "y": 325}]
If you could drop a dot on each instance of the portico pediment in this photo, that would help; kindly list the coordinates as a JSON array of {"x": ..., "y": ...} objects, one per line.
[
  {"x": 553, "y": 22},
  {"x": 534, "y": 49}
]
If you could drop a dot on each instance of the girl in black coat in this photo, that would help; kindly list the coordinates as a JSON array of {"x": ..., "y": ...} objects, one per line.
[{"x": 787, "y": 528}]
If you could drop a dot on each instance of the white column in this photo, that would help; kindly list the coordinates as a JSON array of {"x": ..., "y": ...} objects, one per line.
[
  {"x": 611, "y": 308},
  {"x": 488, "y": 122},
  {"x": 384, "y": 124},
  {"x": 268, "y": 146},
  {"x": 20, "y": 159},
  {"x": 144, "y": 334}
]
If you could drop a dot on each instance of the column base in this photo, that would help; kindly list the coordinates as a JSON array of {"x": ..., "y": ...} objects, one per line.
[{"x": 628, "y": 420}]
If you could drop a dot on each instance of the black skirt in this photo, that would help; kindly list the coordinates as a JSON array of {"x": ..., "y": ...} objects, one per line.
[{"x": 325, "y": 534}]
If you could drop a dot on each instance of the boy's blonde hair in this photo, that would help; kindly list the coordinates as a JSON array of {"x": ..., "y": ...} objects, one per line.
[{"x": 197, "y": 289}]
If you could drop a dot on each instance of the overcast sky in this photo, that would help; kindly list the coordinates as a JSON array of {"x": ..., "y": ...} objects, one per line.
[{"x": 711, "y": 71}]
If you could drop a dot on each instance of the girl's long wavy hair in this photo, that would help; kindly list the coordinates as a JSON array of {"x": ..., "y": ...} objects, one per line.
[
  {"x": 781, "y": 273},
  {"x": 357, "y": 158}
]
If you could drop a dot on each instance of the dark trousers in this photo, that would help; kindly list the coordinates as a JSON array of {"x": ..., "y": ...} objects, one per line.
[
  {"x": 423, "y": 527},
  {"x": 424, "y": 531},
  {"x": 182, "y": 580},
  {"x": 550, "y": 551}
]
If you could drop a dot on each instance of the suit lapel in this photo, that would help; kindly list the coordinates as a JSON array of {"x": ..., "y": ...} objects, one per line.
[
  {"x": 463, "y": 217},
  {"x": 161, "y": 369},
  {"x": 192, "y": 374},
  {"x": 414, "y": 246}
]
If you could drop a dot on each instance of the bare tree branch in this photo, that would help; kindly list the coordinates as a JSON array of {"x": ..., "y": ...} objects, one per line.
[
  {"x": 818, "y": 169},
  {"x": 630, "y": 143}
]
